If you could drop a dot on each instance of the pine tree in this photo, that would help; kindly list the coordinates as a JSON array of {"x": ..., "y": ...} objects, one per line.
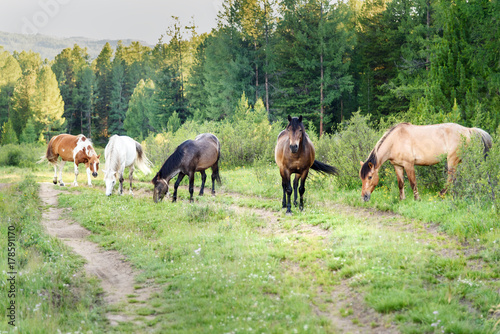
[
  {"x": 8, "y": 134},
  {"x": 140, "y": 110},
  {"x": 118, "y": 102},
  {"x": 85, "y": 100},
  {"x": 103, "y": 91},
  {"x": 47, "y": 103},
  {"x": 10, "y": 72},
  {"x": 29, "y": 134},
  {"x": 21, "y": 101}
]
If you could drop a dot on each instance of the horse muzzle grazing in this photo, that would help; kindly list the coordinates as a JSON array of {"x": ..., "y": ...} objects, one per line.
[
  {"x": 94, "y": 174},
  {"x": 366, "y": 196}
]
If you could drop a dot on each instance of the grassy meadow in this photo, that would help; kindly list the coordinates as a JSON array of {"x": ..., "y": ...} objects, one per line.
[{"x": 235, "y": 262}]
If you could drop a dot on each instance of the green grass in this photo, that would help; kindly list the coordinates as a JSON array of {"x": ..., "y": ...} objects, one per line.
[
  {"x": 221, "y": 273},
  {"x": 51, "y": 292},
  {"x": 220, "y": 266}
]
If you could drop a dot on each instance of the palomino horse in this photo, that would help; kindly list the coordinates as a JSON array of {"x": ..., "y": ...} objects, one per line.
[
  {"x": 72, "y": 148},
  {"x": 406, "y": 145},
  {"x": 121, "y": 152},
  {"x": 294, "y": 153},
  {"x": 189, "y": 157}
]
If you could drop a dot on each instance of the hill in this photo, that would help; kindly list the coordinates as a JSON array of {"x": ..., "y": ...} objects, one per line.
[{"x": 49, "y": 47}]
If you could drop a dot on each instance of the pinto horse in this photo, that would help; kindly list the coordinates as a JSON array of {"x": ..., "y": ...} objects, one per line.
[
  {"x": 121, "y": 152},
  {"x": 189, "y": 157},
  {"x": 294, "y": 153},
  {"x": 77, "y": 149},
  {"x": 406, "y": 145}
]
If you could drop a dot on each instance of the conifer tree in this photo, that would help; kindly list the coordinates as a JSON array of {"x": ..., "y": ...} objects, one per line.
[
  {"x": 8, "y": 134},
  {"x": 47, "y": 103}
]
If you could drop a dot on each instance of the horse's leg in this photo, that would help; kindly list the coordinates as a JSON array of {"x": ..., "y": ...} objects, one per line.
[
  {"x": 89, "y": 179},
  {"x": 287, "y": 191},
  {"x": 452, "y": 162},
  {"x": 130, "y": 177},
  {"x": 410, "y": 172},
  {"x": 176, "y": 185},
  {"x": 191, "y": 186},
  {"x": 215, "y": 172},
  {"x": 203, "y": 179},
  {"x": 75, "y": 183},
  {"x": 120, "y": 178},
  {"x": 302, "y": 189},
  {"x": 55, "y": 173},
  {"x": 61, "y": 167},
  {"x": 401, "y": 181},
  {"x": 295, "y": 185}
]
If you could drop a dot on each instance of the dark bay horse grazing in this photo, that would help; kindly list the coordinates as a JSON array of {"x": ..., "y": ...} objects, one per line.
[
  {"x": 189, "y": 157},
  {"x": 294, "y": 153},
  {"x": 121, "y": 152},
  {"x": 406, "y": 145},
  {"x": 77, "y": 149}
]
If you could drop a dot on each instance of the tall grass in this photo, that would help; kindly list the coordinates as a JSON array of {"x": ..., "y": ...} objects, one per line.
[{"x": 52, "y": 293}]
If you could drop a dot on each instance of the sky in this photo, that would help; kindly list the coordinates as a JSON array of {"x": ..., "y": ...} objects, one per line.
[{"x": 144, "y": 20}]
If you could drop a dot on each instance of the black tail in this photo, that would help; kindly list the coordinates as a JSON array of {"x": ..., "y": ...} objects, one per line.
[
  {"x": 215, "y": 167},
  {"x": 324, "y": 168}
]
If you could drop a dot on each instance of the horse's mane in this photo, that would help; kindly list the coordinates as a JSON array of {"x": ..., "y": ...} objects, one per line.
[
  {"x": 113, "y": 162},
  {"x": 372, "y": 158},
  {"x": 171, "y": 163}
]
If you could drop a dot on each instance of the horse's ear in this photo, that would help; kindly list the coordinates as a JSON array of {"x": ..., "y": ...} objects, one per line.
[
  {"x": 289, "y": 118},
  {"x": 361, "y": 163},
  {"x": 370, "y": 165},
  {"x": 300, "y": 118},
  {"x": 98, "y": 156}
]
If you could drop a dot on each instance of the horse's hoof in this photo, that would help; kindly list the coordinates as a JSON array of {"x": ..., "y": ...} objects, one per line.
[
  {"x": 295, "y": 203},
  {"x": 289, "y": 213},
  {"x": 301, "y": 208},
  {"x": 61, "y": 184},
  {"x": 55, "y": 181}
]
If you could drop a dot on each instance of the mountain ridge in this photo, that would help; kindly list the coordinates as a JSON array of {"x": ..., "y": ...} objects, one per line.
[{"x": 49, "y": 46}]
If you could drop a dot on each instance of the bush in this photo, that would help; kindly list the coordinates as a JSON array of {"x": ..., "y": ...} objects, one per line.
[
  {"x": 23, "y": 155},
  {"x": 350, "y": 145},
  {"x": 477, "y": 178}
]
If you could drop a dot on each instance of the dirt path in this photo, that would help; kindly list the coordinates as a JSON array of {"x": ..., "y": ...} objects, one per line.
[{"x": 116, "y": 275}]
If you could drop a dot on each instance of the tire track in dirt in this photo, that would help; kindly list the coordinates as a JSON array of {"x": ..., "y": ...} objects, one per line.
[{"x": 116, "y": 275}]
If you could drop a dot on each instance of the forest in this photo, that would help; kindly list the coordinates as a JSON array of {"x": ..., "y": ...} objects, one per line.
[{"x": 422, "y": 61}]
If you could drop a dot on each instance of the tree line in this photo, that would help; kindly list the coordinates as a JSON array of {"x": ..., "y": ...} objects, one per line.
[{"x": 425, "y": 61}]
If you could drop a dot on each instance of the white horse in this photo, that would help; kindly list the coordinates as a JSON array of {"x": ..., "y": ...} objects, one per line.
[{"x": 121, "y": 152}]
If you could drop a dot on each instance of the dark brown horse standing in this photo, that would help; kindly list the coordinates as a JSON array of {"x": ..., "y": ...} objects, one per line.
[
  {"x": 189, "y": 157},
  {"x": 77, "y": 149},
  {"x": 294, "y": 153}
]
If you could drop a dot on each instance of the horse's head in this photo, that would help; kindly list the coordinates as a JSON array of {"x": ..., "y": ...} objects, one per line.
[
  {"x": 110, "y": 180},
  {"x": 93, "y": 164},
  {"x": 369, "y": 176},
  {"x": 296, "y": 132},
  {"x": 161, "y": 188}
]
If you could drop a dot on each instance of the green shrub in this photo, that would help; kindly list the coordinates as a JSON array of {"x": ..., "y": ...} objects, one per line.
[
  {"x": 350, "y": 145},
  {"x": 477, "y": 178},
  {"x": 23, "y": 155}
]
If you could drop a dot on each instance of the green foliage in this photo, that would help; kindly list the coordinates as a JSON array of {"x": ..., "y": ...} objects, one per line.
[
  {"x": 350, "y": 145},
  {"x": 47, "y": 105},
  {"x": 477, "y": 179},
  {"x": 8, "y": 134},
  {"x": 51, "y": 292},
  {"x": 23, "y": 155},
  {"x": 29, "y": 135}
]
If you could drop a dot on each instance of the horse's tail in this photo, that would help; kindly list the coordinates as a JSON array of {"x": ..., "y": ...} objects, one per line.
[
  {"x": 49, "y": 155},
  {"x": 142, "y": 162},
  {"x": 324, "y": 168},
  {"x": 215, "y": 167},
  {"x": 486, "y": 138}
]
